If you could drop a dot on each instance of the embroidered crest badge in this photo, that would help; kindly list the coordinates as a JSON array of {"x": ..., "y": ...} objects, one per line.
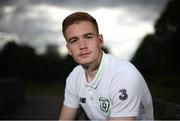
[{"x": 104, "y": 104}]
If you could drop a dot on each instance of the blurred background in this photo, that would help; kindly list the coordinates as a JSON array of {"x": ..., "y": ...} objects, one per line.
[{"x": 34, "y": 63}]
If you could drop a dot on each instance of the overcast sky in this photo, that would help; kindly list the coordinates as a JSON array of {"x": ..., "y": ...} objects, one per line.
[{"x": 123, "y": 23}]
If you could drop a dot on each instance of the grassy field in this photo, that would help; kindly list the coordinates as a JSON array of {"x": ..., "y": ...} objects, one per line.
[
  {"x": 56, "y": 89},
  {"x": 165, "y": 87}
]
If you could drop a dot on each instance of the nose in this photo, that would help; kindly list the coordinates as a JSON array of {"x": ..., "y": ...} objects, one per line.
[{"x": 82, "y": 44}]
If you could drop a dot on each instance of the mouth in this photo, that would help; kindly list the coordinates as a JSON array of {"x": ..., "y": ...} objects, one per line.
[{"x": 84, "y": 54}]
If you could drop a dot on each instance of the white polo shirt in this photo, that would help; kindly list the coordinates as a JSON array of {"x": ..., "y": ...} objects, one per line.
[{"x": 118, "y": 90}]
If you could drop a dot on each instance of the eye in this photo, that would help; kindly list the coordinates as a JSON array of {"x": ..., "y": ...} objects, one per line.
[
  {"x": 73, "y": 40},
  {"x": 89, "y": 37}
]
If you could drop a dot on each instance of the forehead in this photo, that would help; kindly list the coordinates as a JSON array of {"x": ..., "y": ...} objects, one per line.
[{"x": 80, "y": 27}]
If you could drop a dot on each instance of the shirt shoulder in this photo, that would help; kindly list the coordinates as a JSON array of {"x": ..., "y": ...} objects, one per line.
[
  {"x": 118, "y": 65},
  {"x": 123, "y": 74},
  {"x": 74, "y": 77},
  {"x": 72, "y": 89},
  {"x": 76, "y": 72}
]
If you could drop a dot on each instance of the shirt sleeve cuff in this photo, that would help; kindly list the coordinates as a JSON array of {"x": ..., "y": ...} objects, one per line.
[
  {"x": 71, "y": 105},
  {"x": 133, "y": 114}
]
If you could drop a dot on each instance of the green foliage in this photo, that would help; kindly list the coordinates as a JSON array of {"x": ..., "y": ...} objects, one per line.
[
  {"x": 39, "y": 89},
  {"x": 21, "y": 61},
  {"x": 159, "y": 52}
]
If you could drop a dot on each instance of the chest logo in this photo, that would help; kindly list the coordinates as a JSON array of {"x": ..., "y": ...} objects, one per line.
[
  {"x": 123, "y": 94},
  {"x": 104, "y": 104}
]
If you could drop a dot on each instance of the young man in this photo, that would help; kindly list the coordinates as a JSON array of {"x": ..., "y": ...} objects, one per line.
[{"x": 106, "y": 87}]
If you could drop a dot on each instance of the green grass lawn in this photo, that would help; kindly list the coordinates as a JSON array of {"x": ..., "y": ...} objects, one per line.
[
  {"x": 33, "y": 88},
  {"x": 166, "y": 94},
  {"x": 165, "y": 87}
]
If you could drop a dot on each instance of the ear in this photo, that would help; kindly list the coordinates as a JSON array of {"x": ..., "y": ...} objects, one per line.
[
  {"x": 101, "y": 40},
  {"x": 69, "y": 52}
]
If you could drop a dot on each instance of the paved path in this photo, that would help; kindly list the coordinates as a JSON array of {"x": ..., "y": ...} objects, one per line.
[{"x": 35, "y": 108}]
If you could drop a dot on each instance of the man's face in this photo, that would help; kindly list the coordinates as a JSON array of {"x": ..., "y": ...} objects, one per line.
[{"x": 83, "y": 43}]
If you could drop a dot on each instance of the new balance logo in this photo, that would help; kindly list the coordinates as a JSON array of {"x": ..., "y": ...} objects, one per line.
[{"x": 82, "y": 100}]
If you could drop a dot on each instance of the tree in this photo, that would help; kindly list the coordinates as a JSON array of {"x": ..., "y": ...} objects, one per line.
[
  {"x": 159, "y": 52},
  {"x": 16, "y": 60}
]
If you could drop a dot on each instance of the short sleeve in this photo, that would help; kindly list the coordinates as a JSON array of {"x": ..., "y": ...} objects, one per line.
[
  {"x": 71, "y": 93},
  {"x": 126, "y": 93}
]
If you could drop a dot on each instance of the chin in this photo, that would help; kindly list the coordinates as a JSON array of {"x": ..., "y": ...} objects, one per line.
[{"x": 84, "y": 62}]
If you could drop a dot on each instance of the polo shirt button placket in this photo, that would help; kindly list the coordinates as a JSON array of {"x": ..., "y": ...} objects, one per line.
[{"x": 91, "y": 94}]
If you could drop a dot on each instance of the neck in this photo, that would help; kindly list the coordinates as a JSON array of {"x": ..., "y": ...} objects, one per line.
[{"x": 91, "y": 69}]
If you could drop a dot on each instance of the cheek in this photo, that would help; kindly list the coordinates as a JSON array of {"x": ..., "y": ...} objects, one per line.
[
  {"x": 73, "y": 51},
  {"x": 69, "y": 50},
  {"x": 98, "y": 45}
]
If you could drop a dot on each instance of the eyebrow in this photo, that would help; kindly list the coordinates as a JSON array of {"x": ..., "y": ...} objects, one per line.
[
  {"x": 75, "y": 37},
  {"x": 89, "y": 34}
]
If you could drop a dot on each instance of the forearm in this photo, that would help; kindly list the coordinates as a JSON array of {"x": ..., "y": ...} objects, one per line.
[
  {"x": 67, "y": 113},
  {"x": 122, "y": 119}
]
